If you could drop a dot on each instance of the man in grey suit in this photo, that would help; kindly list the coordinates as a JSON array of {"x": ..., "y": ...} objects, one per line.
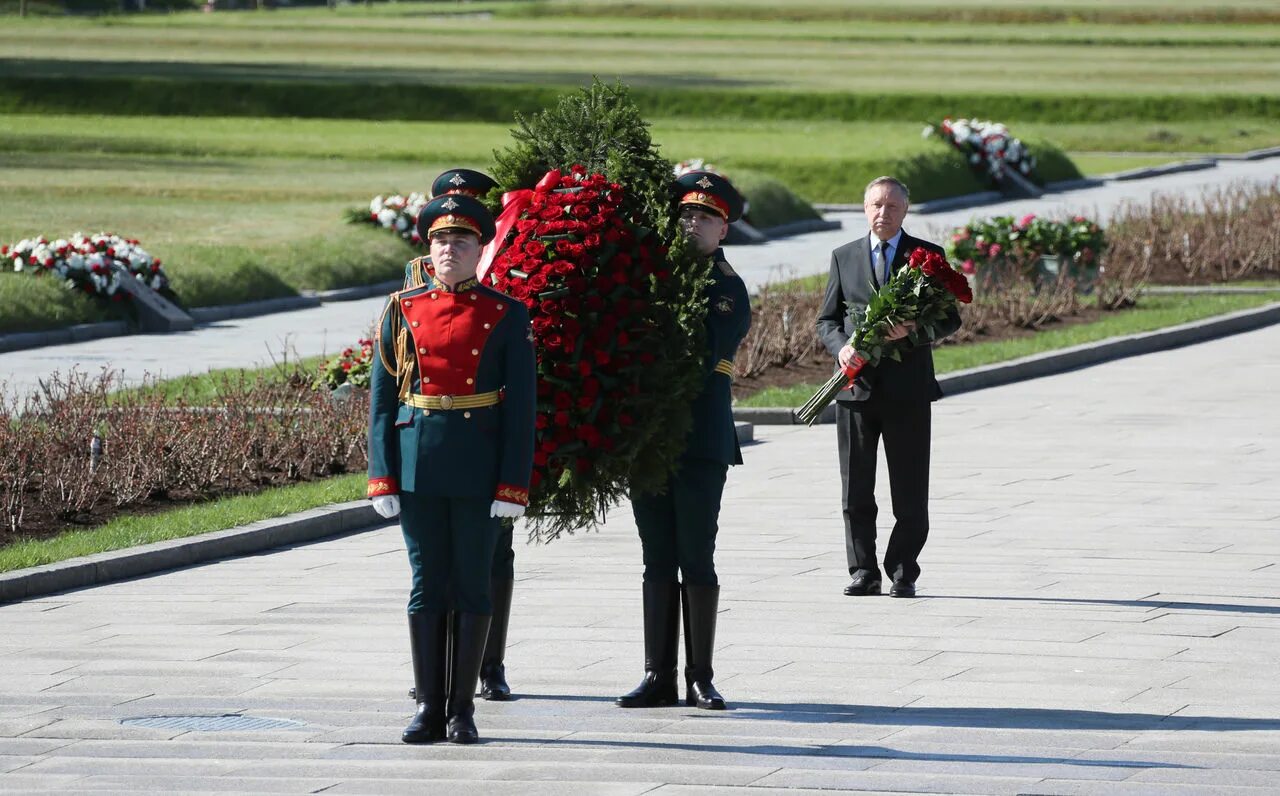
[{"x": 890, "y": 401}]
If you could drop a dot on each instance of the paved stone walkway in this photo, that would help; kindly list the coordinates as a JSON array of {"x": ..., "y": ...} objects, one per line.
[
  {"x": 254, "y": 342},
  {"x": 1100, "y": 613}
]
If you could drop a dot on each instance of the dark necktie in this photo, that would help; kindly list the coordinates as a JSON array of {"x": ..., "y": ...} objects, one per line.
[{"x": 882, "y": 264}]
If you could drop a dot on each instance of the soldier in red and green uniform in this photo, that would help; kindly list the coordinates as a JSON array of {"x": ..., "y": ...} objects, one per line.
[
  {"x": 451, "y": 435},
  {"x": 493, "y": 672},
  {"x": 467, "y": 182},
  {"x": 678, "y": 527}
]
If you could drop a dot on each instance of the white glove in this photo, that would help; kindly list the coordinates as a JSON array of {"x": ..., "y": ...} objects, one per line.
[
  {"x": 387, "y": 506},
  {"x": 502, "y": 508}
]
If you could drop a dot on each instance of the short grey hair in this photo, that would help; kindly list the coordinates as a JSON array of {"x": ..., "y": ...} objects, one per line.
[{"x": 894, "y": 181}]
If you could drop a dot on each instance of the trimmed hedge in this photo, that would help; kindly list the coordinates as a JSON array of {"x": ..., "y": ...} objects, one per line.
[
  {"x": 186, "y": 96},
  {"x": 940, "y": 13}
]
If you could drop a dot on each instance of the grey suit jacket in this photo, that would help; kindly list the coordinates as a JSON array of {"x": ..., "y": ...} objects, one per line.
[{"x": 851, "y": 284}]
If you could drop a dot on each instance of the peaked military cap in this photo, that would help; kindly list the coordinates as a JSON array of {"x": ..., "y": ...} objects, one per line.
[
  {"x": 711, "y": 191},
  {"x": 455, "y": 211},
  {"x": 463, "y": 181}
]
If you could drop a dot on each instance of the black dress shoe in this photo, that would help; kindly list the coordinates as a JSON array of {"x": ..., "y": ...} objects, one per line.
[
  {"x": 902, "y": 588},
  {"x": 862, "y": 585}
]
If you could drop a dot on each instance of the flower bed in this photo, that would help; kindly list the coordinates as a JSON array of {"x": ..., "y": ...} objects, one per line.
[
  {"x": 79, "y": 452},
  {"x": 88, "y": 263},
  {"x": 986, "y": 246}
]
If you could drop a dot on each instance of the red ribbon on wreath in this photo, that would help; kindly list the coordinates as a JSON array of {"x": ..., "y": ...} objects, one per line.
[{"x": 514, "y": 203}]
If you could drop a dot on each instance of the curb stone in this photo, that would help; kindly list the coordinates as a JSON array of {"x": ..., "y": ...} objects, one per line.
[
  {"x": 357, "y": 292},
  {"x": 1081, "y": 356},
  {"x": 249, "y": 309},
  {"x": 1061, "y": 360},
  {"x": 305, "y": 526},
  {"x": 77, "y": 573},
  {"x": 1159, "y": 171},
  {"x": 81, "y": 332}
]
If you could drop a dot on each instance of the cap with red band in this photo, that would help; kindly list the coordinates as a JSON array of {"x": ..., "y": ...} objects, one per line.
[
  {"x": 456, "y": 211},
  {"x": 712, "y": 191},
  {"x": 704, "y": 199}
]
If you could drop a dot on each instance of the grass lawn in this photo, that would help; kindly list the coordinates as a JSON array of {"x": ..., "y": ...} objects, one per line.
[
  {"x": 228, "y": 229},
  {"x": 1154, "y": 311},
  {"x": 216, "y": 515}
]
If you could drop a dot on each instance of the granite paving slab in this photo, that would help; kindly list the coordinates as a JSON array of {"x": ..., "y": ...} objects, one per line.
[{"x": 1099, "y": 614}]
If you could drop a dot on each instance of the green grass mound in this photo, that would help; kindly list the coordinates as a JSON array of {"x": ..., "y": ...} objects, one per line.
[
  {"x": 933, "y": 172},
  {"x": 33, "y": 304},
  {"x": 772, "y": 203},
  {"x": 208, "y": 274}
]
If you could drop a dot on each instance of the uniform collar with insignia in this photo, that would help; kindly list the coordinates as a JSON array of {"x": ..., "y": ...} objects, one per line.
[
  {"x": 470, "y": 283},
  {"x": 433, "y": 282}
]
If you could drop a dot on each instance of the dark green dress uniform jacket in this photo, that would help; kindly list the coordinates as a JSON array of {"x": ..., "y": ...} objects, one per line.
[
  {"x": 728, "y": 318},
  {"x": 459, "y": 343}
]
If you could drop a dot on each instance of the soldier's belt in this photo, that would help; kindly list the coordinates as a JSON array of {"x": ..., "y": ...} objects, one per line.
[
  {"x": 454, "y": 401},
  {"x": 725, "y": 366}
]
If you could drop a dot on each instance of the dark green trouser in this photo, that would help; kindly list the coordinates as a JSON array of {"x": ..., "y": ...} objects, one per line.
[
  {"x": 678, "y": 528},
  {"x": 450, "y": 543}
]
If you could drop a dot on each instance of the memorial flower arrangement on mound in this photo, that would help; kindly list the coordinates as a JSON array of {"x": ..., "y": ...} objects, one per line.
[
  {"x": 588, "y": 241},
  {"x": 923, "y": 292},
  {"x": 1003, "y": 239},
  {"x": 395, "y": 212},
  {"x": 988, "y": 147},
  {"x": 88, "y": 263}
]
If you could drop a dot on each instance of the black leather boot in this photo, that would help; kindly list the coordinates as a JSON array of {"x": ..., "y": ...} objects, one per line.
[
  {"x": 661, "y": 631},
  {"x": 493, "y": 673},
  {"x": 700, "y": 606},
  {"x": 428, "y": 637},
  {"x": 469, "y": 632}
]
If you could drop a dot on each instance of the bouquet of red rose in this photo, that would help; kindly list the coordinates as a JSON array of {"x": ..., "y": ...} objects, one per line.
[{"x": 923, "y": 292}]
